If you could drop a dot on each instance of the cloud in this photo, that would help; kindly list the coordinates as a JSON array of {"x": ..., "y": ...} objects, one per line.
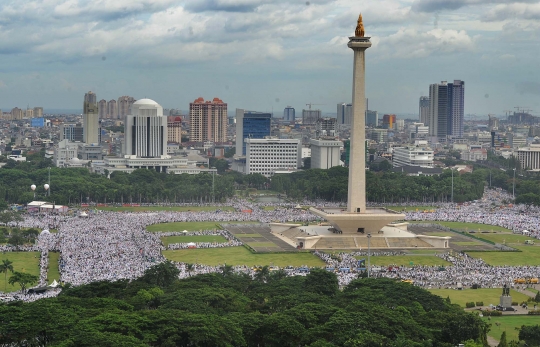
[
  {"x": 513, "y": 11},
  {"x": 527, "y": 87},
  {"x": 224, "y": 5},
  {"x": 441, "y": 5},
  {"x": 411, "y": 43}
]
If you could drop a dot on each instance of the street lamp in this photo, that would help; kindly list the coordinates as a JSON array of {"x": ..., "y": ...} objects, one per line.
[
  {"x": 514, "y": 186},
  {"x": 213, "y": 193},
  {"x": 33, "y": 187},
  {"x": 452, "y": 184},
  {"x": 46, "y": 186},
  {"x": 368, "y": 254}
]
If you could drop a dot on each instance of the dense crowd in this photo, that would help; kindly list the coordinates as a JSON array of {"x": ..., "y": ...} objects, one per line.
[{"x": 112, "y": 246}]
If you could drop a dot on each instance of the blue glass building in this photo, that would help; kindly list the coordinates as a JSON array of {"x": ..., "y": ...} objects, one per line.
[{"x": 251, "y": 124}]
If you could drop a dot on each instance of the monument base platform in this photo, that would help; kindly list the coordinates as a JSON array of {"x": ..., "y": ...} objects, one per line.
[
  {"x": 505, "y": 301},
  {"x": 370, "y": 221}
]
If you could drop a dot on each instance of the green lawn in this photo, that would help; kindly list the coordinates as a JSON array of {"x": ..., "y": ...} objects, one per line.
[
  {"x": 165, "y": 208},
  {"x": 529, "y": 256},
  {"x": 269, "y": 208},
  {"x": 504, "y": 238},
  {"x": 509, "y": 324},
  {"x": 241, "y": 256},
  {"x": 405, "y": 260},
  {"x": 167, "y": 240},
  {"x": 421, "y": 251},
  {"x": 54, "y": 272},
  {"x": 467, "y": 226},
  {"x": 468, "y": 243},
  {"x": 22, "y": 262},
  {"x": 486, "y": 295},
  {"x": 189, "y": 226}
]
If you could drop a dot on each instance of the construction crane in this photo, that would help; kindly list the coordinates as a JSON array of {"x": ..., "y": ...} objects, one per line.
[{"x": 312, "y": 104}]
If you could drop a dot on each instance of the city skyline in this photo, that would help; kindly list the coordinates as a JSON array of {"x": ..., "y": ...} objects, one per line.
[{"x": 168, "y": 50}]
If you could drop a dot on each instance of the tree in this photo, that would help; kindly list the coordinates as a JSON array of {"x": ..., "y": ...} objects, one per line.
[
  {"x": 502, "y": 341},
  {"x": 5, "y": 267},
  {"x": 23, "y": 279},
  {"x": 307, "y": 163},
  {"x": 530, "y": 334},
  {"x": 163, "y": 274},
  {"x": 537, "y": 297}
]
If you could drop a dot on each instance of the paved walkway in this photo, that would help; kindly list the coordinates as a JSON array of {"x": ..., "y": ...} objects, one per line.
[{"x": 492, "y": 342}]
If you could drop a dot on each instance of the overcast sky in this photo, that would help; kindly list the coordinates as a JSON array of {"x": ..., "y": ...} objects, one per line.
[{"x": 264, "y": 54}]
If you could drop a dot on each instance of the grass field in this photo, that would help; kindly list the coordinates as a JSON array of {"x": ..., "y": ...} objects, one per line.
[
  {"x": 189, "y": 226},
  {"x": 269, "y": 208},
  {"x": 241, "y": 256},
  {"x": 22, "y": 262},
  {"x": 468, "y": 243},
  {"x": 529, "y": 256},
  {"x": 467, "y": 226},
  {"x": 405, "y": 260},
  {"x": 486, "y": 295},
  {"x": 421, "y": 251},
  {"x": 54, "y": 272},
  {"x": 504, "y": 238},
  {"x": 509, "y": 324},
  {"x": 165, "y": 208},
  {"x": 167, "y": 240}
]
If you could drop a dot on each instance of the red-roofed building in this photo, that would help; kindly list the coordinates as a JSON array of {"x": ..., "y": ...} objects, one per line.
[{"x": 208, "y": 120}]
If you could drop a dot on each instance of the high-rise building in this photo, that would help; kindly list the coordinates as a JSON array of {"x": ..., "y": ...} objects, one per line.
[
  {"x": 372, "y": 118},
  {"x": 423, "y": 112},
  {"x": 208, "y": 120},
  {"x": 146, "y": 130},
  {"x": 71, "y": 132},
  {"x": 266, "y": 156},
  {"x": 174, "y": 129},
  {"x": 325, "y": 153},
  {"x": 456, "y": 108},
  {"x": 123, "y": 105},
  {"x": 446, "y": 109},
  {"x": 90, "y": 119},
  {"x": 38, "y": 112},
  {"x": 309, "y": 117},
  {"x": 250, "y": 124},
  {"x": 389, "y": 120},
  {"x": 289, "y": 114},
  {"x": 344, "y": 113},
  {"x": 16, "y": 113},
  {"x": 29, "y": 113},
  {"x": 102, "y": 109},
  {"x": 112, "y": 109},
  {"x": 326, "y": 126},
  {"x": 438, "y": 110}
]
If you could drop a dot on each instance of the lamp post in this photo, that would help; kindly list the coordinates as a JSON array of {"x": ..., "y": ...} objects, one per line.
[
  {"x": 49, "y": 185},
  {"x": 33, "y": 187},
  {"x": 514, "y": 186},
  {"x": 213, "y": 192},
  {"x": 490, "y": 178},
  {"x": 452, "y": 184},
  {"x": 368, "y": 255}
]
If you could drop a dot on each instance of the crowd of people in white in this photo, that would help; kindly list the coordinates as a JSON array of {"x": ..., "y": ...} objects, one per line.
[{"x": 114, "y": 245}]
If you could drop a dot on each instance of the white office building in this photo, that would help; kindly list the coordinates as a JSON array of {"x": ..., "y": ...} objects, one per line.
[
  {"x": 529, "y": 157},
  {"x": 64, "y": 152},
  {"x": 325, "y": 153},
  {"x": 146, "y": 130},
  {"x": 418, "y": 155},
  {"x": 268, "y": 155}
]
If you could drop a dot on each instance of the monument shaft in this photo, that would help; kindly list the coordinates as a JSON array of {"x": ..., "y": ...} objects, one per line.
[{"x": 357, "y": 160}]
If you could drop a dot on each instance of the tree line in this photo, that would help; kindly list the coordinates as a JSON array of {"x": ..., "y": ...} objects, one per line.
[{"x": 229, "y": 309}]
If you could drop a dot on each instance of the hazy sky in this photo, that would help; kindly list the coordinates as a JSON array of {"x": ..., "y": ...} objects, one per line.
[{"x": 264, "y": 54}]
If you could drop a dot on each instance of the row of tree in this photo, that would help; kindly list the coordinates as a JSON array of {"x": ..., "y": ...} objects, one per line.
[
  {"x": 232, "y": 309},
  {"x": 382, "y": 187}
]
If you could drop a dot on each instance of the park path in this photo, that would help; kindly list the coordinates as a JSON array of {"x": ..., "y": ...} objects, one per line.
[{"x": 492, "y": 342}]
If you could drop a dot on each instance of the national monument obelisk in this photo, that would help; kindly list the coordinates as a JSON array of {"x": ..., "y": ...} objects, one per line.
[
  {"x": 357, "y": 218},
  {"x": 356, "y": 202}
]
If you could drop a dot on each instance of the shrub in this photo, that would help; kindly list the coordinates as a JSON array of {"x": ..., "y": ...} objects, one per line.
[
  {"x": 492, "y": 313},
  {"x": 514, "y": 303},
  {"x": 479, "y": 303},
  {"x": 534, "y": 312},
  {"x": 469, "y": 304},
  {"x": 476, "y": 286}
]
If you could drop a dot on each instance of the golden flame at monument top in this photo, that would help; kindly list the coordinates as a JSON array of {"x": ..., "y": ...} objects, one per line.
[{"x": 359, "y": 32}]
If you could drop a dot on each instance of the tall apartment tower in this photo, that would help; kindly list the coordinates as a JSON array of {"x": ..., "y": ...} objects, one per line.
[
  {"x": 424, "y": 110},
  {"x": 208, "y": 120},
  {"x": 38, "y": 112},
  {"x": 372, "y": 118},
  {"x": 90, "y": 119},
  {"x": 344, "y": 113},
  {"x": 289, "y": 114},
  {"x": 309, "y": 117},
  {"x": 438, "y": 110},
  {"x": 456, "y": 108},
  {"x": 124, "y": 103},
  {"x": 112, "y": 109},
  {"x": 252, "y": 125},
  {"x": 146, "y": 130},
  {"x": 102, "y": 109}
]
